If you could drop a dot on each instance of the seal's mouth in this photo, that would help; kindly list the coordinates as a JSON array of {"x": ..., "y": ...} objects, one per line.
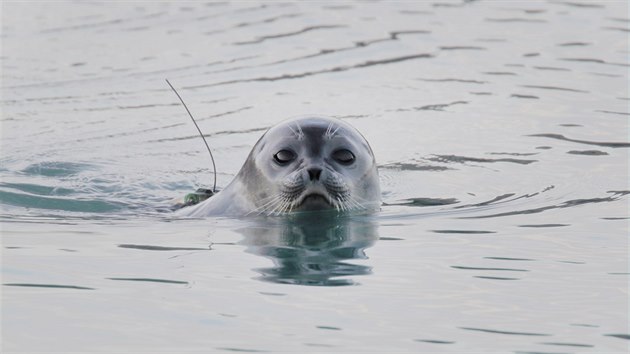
[{"x": 314, "y": 201}]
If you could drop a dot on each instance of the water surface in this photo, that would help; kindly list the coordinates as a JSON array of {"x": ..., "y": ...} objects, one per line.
[{"x": 501, "y": 132}]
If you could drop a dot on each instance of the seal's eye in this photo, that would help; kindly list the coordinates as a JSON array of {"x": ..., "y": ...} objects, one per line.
[
  {"x": 283, "y": 157},
  {"x": 343, "y": 156}
]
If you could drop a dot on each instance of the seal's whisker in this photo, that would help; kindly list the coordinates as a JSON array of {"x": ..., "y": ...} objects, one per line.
[
  {"x": 277, "y": 210},
  {"x": 353, "y": 201},
  {"x": 335, "y": 132},
  {"x": 293, "y": 131},
  {"x": 328, "y": 130},
  {"x": 346, "y": 199},
  {"x": 301, "y": 136},
  {"x": 286, "y": 207},
  {"x": 269, "y": 202},
  {"x": 269, "y": 198},
  {"x": 339, "y": 204},
  {"x": 343, "y": 206},
  {"x": 358, "y": 204},
  {"x": 272, "y": 209}
]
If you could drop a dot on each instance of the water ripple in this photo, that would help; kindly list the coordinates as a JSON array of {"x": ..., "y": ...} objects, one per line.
[
  {"x": 266, "y": 20},
  {"x": 544, "y": 225},
  {"x": 591, "y": 60},
  {"x": 467, "y": 81},
  {"x": 494, "y": 278},
  {"x": 151, "y": 280},
  {"x": 552, "y": 68},
  {"x": 287, "y": 34},
  {"x": 464, "y": 159},
  {"x": 464, "y": 232},
  {"x": 117, "y": 21},
  {"x": 522, "y": 20},
  {"x": 620, "y": 336},
  {"x": 524, "y": 96},
  {"x": 57, "y": 168},
  {"x": 556, "y": 88},
  {"x": 567, "y": 204},
  {"x": 562, "y": 137},
  {"x": 505, "y": 332},
  {"x": 318, "y": 72},
  {"x": 432, "y": 107},
  {"x": 434, "y": 341},
  {"x": 569, "y": 344},
  {"x": 409, "y": 166},
  {"x": 422, "y": 202},
  {"x": 223, "y": 132},
  {"x": 54, "y": 286},
  {"x": 162, "y": 248},
  {"x": 492, "y": 269},
  {"x": 66, "y": 204},
  {"x": 613, "y": 112},
  {"x": 574, "y": 44},
  {"x": 393, "y": 36},
  {"x": 462, "y": 47},
  {"x": 587, "y": 152},
  {"x": 581, "y": 4}
]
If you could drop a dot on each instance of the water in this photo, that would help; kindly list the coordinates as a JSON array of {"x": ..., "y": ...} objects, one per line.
[{"x": 501, "y": 131}]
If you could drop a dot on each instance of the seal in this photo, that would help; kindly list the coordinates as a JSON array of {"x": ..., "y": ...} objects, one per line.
[{"x": 300, "y": 165}]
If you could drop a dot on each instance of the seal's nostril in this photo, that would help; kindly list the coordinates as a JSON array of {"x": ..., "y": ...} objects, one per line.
[{"x": 314, "y": 173}]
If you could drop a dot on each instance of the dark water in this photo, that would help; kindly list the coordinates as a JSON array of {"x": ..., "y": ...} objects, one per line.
[{"x": 501, "y": 131}]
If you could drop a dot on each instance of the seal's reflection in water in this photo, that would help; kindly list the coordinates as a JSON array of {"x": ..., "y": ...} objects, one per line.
[{"x": 311, "y": 249}]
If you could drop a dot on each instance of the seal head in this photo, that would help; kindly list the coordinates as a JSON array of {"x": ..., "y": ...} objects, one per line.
[{"x": 302, "y": 164}]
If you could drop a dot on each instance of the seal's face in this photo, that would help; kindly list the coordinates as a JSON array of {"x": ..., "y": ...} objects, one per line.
[{"x": 312, "y": 164}]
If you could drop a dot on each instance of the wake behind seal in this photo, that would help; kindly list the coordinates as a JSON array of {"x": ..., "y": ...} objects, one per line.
[{"x": 300, "y": 165}]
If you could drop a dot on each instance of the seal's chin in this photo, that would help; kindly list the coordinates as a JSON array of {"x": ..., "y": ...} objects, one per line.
[{"x": 314, "y": 201}]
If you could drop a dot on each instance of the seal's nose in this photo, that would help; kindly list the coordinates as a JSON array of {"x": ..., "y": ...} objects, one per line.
[{"x": 314, "y": 173}]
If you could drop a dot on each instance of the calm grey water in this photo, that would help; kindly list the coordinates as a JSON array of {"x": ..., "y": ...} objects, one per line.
[{"x": 501, "y": 131}]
